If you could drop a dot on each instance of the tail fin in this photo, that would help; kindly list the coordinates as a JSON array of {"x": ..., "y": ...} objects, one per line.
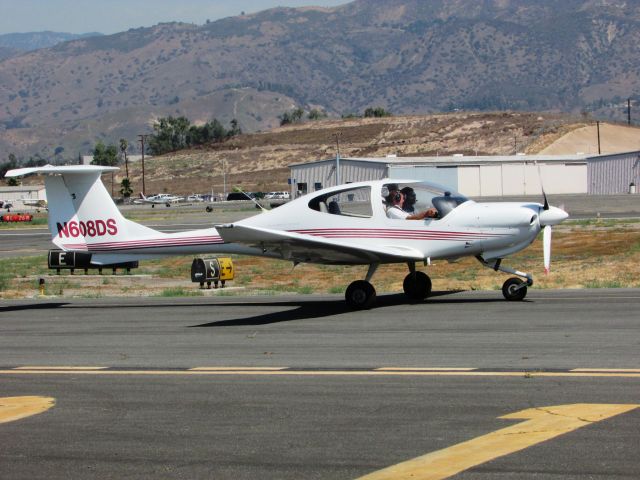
[{"x": 81, "y": 211}]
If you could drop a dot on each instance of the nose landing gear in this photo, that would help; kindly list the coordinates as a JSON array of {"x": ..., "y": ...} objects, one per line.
[{"x": 514, "y": 289}]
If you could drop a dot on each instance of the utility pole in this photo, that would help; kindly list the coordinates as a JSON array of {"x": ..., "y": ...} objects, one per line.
[
  {"x": 628, "y": 111},
  {"x": 337, "y": 136},
  {"x": 598, "y": 129},
  {"x": 224, "y": 179},
  {"x": 142, "y": 139}
]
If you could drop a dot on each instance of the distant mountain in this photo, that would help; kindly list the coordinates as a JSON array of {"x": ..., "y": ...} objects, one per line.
[
  {"x": 26, "y": 42},
  {"x": 408, "y": 56}
]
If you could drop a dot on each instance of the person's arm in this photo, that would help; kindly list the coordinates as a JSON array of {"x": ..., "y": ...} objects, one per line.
[{"x": 429, "y": 213}]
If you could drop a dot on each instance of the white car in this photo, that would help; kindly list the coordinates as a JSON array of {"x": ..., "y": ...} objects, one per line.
[{"x": 277, "y": 196}]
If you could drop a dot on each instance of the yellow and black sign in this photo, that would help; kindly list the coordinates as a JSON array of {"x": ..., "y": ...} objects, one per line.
[
  {"x": 226, "y": 268},
  {"x": 212, "y": 269}
]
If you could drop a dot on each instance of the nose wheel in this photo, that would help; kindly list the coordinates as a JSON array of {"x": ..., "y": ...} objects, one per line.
[
  {"x": 417, "y": 285},
  {"x": 514, "y": 289},
  {"x": 360, "y": 294}
]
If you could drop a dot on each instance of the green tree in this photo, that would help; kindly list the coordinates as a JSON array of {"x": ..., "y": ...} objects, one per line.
[
  {"x": 376, "y": 112},
  {"x": 291, "y": 117},
  {"x": 105, "y": 155},
  {"x": 125, "y": 188},
  {"x": 123, "y": 150},
  {"x": 10, "y": 164},
  {"x": 316, "y": 114},
  {"x": 235, "y": 129},
  {"x": 170, "y": 134}
]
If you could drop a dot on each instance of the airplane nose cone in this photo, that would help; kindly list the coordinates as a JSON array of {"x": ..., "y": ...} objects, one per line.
[{"x": 553, "y": 216}]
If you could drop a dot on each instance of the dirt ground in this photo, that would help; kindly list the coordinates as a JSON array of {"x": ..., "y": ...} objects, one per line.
[{"x": 613, "y": 139}]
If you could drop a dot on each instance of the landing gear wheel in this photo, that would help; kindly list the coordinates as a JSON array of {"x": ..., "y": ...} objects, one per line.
[
  {"x": 510, "y": 290},
  {"x": 417, "y": 286},
  {"x": 360, "y": 294}
]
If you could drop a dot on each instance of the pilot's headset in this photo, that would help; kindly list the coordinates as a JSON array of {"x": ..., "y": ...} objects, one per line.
[{"x": 391, "y": 193}]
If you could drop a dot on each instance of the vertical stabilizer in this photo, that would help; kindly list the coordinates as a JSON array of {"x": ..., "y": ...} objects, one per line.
[{"x": 82, "y": 214}]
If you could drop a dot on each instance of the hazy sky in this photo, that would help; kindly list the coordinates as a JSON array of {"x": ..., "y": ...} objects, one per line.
[{"x": 111, "y": 16}]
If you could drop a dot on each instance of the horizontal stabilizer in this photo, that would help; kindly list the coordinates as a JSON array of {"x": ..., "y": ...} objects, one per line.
[{"x": 67, "y": 169}]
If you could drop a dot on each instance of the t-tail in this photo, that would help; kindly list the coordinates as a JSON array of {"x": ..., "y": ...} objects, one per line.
[{"x": 83, "y": 217}]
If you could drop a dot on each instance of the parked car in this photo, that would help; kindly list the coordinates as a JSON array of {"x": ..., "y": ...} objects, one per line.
[
  {"x": 277, "y": 196},
  {"x": 239, "y": 196}
]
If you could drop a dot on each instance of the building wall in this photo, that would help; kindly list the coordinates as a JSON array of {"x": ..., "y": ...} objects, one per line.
[
  {"x": 613, "y": 174},
  {"x": 521, "y": 179},
  {"x": 609, "y": 174},
  {"x": 15, "y": 194},
  {"x": 324, "y": 174},
  {"x": 447, "y": 176}
]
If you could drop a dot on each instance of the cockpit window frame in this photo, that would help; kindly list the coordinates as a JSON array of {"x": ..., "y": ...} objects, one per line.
[{"x": 340, "y": 206}]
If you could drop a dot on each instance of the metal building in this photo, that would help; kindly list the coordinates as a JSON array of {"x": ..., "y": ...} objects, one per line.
[
  {"x": 482, "y": 176},
  {"x": 16, "y": 195},
  {"x": 611, "y": 174}
]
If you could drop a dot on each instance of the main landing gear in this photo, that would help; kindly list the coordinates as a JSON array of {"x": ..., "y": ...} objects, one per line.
[
  {"x": 361, "y": 294},
  {"x": 416, "y": 285},
  {"x": 514, "y": 289}
]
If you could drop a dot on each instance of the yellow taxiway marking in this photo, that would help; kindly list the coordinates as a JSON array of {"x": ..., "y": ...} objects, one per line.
[
  {"x": 33, "y": 367},
  {"x": 235, "y": 369},
  {"x": 610, "y": 370},
  {"x": 424, "y": 369},
  {"x": 15, "y": 408},
  {"x": 318, "y": 373},
  {"x": 540, "y": 424}
]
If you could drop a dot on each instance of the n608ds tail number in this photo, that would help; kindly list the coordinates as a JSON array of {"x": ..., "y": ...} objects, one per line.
[{"x": 90, "y": 228}]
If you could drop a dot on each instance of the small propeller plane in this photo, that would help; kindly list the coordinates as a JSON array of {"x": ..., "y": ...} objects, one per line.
[
  {"x": 161, "y": 199},
  {"x": 342, "y": 225}
]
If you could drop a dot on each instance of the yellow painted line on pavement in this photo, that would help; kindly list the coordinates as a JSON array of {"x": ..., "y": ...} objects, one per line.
[
  {"x": 29, "y": 367},
  {"x": 425, "y": 369},
  {"x": 631, "y": 370},
  {"x": 541, "y": 424},
  {"x": 319, "y": 373},
  {"x": 244, "y": 369},
  {"x": 15, "y": 408}
]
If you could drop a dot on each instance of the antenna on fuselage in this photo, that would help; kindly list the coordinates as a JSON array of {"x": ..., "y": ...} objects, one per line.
[{"x": 238, "y": 189}]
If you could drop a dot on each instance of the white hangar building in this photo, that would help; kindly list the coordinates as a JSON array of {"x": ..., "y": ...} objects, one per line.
[{"x": 483, "y": 176}]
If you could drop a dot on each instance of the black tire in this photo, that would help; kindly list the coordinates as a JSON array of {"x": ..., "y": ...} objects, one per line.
[
  {"x": 509, "y": 290},
  {"x": 360, "y": 294},
  {"x": 167, "y": 204},
  {"x": 417, "y": 286},
  {"x": 209, "y": 209}
]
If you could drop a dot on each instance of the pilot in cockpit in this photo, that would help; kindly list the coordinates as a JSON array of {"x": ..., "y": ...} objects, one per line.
[{"x": 396, "y": 205}]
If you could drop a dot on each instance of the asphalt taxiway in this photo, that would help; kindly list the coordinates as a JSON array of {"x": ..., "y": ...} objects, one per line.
[{"x": 301, "y": 387}]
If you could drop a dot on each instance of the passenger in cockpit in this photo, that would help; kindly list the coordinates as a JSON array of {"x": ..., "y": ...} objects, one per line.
[{"x": 396, "y": 201}]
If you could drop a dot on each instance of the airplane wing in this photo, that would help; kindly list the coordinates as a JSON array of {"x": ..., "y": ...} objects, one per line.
[{"x": 305, "y": 248}]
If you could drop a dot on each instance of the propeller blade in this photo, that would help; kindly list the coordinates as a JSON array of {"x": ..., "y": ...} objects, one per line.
[
  {"x": 546, "y": 246},
  {"x": 544, "y": 195}
]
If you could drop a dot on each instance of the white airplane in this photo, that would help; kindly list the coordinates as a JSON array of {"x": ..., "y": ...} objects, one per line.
[
  {"x": 34, "y": 202},
  {"x": 343, "y": 225},
  {"x": 160, "y": 199}
]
